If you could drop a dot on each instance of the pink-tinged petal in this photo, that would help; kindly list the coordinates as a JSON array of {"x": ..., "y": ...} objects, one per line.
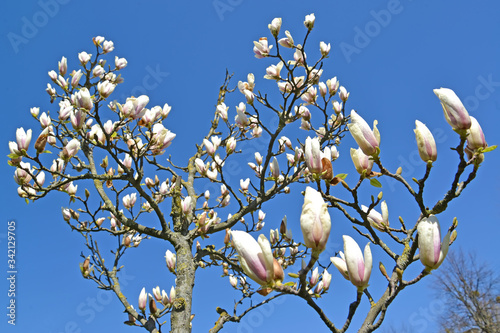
[
  {"x": 368, "y": 264},
  {"x": 431, "y": 250},
  {"x": 367, "y": 139},
  {"x": 475, "y": 139},
  {"x": 341, "y": 265},
  {"x": 425, "y": 142},
  {"x": 354, "y": 260},
  {"x": 315, "y": 221},
  {"x": 454, "y": 111},
  {"x": 255, "y": 257}
]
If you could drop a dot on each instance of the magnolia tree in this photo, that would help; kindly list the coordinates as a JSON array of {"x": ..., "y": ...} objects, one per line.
[{"x": 138, "y": 194}]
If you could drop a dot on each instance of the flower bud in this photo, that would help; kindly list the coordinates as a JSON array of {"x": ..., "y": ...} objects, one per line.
[
  {"x": 432, "y": 251},
  {"x": 324, "y": 48},
  {"x": 343, "y": 94},
  {"x": 171, "y": 260},
  {"x": 454, "y": 111},
  {"x": 76, "y": 78},
  {"x": 362, "y": 162},
  {"x": 83, "y": 99},
  {"x": 425, "y": 141},
  {"x": 230, "y": 145},
  {"x": 63, "y": 66},
  {"x": 367, "y": 139},
  {"x": 475, "y": 139},
  {"x": 256, "y": 258},
  {"x": 309, "y": 21},
  {"x": 143, "y": 298},
  {"x": 23, "y": 139},
  {"x": 315, "y": 221},
  {"x": 84, "y": 57},
  {"x": 275, "y": 26},
  {"x": 222, "y": 111}
]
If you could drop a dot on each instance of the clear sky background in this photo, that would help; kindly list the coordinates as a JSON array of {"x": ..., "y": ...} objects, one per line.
[{"x": 178, "y": 53}]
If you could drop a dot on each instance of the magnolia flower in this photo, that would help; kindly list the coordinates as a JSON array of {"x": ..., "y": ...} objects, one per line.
[
  {"x": 108, "y": 46},
  {"x": 65, "y": 109},
  {"x": 287, "y": 41},
  {"x": 432, "y": 250},
  {"x": 425, "y": 141},
  {"x": 261, "y": 48},
  {"x": 23, "y": 139},
  {"x": 352, "y": 265},
  {"x": 63, "y": 66},
  {"x": 233, "y": 280},
  {"x": 45, "y": 120},
  {"x": 105, "y": 88},
  {"x": 187, "y": 205},
  {"x": 475, "y": 139},
  {"x": 244, "y": 184},
  {"x": 367, "y": 139},
  {"x": 120, "y": 63},
  {"x": 256, "y": 258},
  {"x": 143, "y": 298},
  {"x": 98, "y": 71},
  {"x": 454, "y": 111},
  {"x": 70, "y": 150},
  {"x": 310, "y": 95},
  {"x": 375, "y": 218},
  {"x": 83, "y": 99},
  {"x": 343, "y": 94},
  {"x": 312, "y": 155},
  {"x": 129, "y": 200},
  {"x": 241, "y": 118},
  {"x": 322, "y": 89},
  {"x": 327, "y": 278},
  {"x": 299, "y": 56},
  {"x": 75, "y": 80},
  {"x": 315, "y": 221},
  {"x": 362, "y": 162},
  {"x": 71, "y": 189},
  {"x": 275, "y": 168},
  {"x": 96, "y": 134},
  {"x": 275, "y": 26},
  {"x": 222, "y": 111},
  {"x": 161, "y": 139},
  {"x": 98, "y": 40},
  {"x": 35, "y": 111},
  {"x": 273, "y": 71},
  {"x": 84, "y": 57},
  {"x": 171, "y": 260},
  {"x": 314, "y": 277},
  {"x": 309, "y": 21},
  {"x": 22, "y": 175},
  {"x": 324, "y": 48},
  {"x": 230, "y": 145},
  {"x": 134, "y": 107},
  {"x": 242, "y": 86},
  {"x": 333, "y": 85}
]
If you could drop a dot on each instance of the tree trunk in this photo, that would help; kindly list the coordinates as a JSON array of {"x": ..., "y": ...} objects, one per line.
[{"x": 185, "y": 270}]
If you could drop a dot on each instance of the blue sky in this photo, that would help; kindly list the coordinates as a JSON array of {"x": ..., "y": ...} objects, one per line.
[{"x": 388, "y": 54}]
